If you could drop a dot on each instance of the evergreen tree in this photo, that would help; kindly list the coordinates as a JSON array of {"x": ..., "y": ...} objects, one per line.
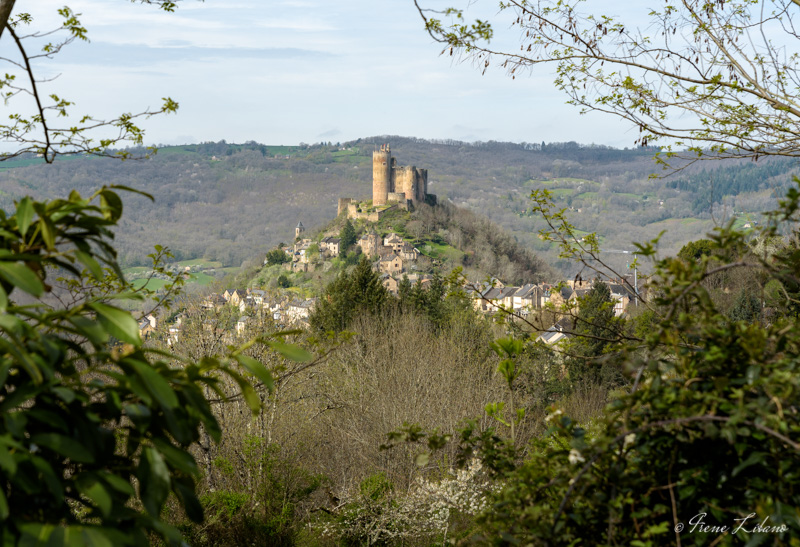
[
  {"x": 276, "y": 256},
  {"x": 747, "y": 307},
  {"x": 347, "y": 296},
  {"x": 404, "y": 290},
  {"x": 366, "y": 287},
  {"x": 347, "y": 235},
  {"x": 695, "y": 250},
  {"x": 594, "y": 326}
]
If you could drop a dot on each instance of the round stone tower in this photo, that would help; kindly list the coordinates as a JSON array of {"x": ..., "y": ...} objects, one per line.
[{"x": 381, "y": 175}]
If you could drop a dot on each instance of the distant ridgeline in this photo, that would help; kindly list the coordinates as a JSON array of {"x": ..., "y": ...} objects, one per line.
[
  {"x": 710, "y": 186},
  {"x": 393, "y": 186}
]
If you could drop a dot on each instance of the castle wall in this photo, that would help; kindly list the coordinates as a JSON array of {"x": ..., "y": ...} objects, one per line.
[
  {"x": 343, "y": 203},
  {"x": 381, "y": 176}
]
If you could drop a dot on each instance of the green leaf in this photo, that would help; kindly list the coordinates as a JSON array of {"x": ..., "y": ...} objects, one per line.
[
  {"x": 3, "y": 505},
  {"x": 154, "y": 481},
  {"x": 132, "y": 190},
  {"x": 95, "y": 491},
  {"x": 292, "y": 352},
  {"x": 117, "y": 483},
  {"x": 96, "y": 334},
  {"x": 257, "y": 369},
  {"x": 21, "y": 277},
  {"x": 112, "y": 204},
  {"x": 91, "y": 264},
  {"x": 188, "y": 498},
  {"x": 66, "y": 446},
  {"x": 118, "y": 323},
  {"x": 96, "y": 537},
  {"x": 176, "y": 457},
  {"x": 24, "y": 215},
  {"x": 48, "y": 232},
  {"x": 754, "y": 458},
  {"x": 34, "y": 534},
  {"x": 156, "y": 384}
]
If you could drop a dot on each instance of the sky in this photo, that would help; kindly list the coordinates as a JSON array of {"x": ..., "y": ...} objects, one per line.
[{"x": 291, "y": 71}]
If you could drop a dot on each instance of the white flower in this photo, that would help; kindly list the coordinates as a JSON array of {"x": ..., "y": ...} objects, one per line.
[
  {"x": 557, "y": 412},
  {"x": 575, "y": 457},
  {"x": 629, "y": 439}
]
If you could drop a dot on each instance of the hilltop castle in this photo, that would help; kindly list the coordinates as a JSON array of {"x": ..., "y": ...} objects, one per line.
[
  {"x": 392, "y": 186},
  {"x": 391, "y": 182}
]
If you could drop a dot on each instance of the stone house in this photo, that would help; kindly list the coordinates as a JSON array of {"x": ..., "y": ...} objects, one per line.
[
  {"x": 391, "y": 264},
  {"x": 369, "y": 243},
  {"x": 390, "y": 283},
  {"x": 330, "y": 246},
  {"x": 525, "y": 299},
  {"x": 236, "y": 296},
  {"x": 394, "y": 241},
  {"x": 408, "y": 252}
]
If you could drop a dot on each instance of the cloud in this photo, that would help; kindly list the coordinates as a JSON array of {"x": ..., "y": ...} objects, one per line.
[
  {"x": 137, "y": 55},
  {"x": 330, "y": 132}
]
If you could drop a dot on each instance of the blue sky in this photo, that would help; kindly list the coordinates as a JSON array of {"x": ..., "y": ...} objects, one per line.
[{"x": 290, "y": 71}]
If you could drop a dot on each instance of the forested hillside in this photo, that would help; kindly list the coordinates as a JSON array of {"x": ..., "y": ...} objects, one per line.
[{"x": 231, "y": 203}]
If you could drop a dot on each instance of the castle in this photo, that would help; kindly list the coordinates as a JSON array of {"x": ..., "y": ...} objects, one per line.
[
  {"x": 392, "y": 185},
  {"x": 391, "y": 182}
]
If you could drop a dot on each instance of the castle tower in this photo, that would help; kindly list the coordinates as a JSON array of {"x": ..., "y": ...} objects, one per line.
[
  {"x": 422, "y": 184},
  {"x": 381, "y": 175},
  {"x": 299, "y": 229}
]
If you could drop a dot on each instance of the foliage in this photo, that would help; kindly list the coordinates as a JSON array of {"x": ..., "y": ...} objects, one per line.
[
  {"x": 95, "y": 426},
  {"x": 703, "y": 383},
  {"x": 283, "y": 281},
  {"x": 719, "y": 64},
  {"x": 259, "y": 503},
  {"x": 360, "y": 291},
  {"x": 39, "y": 133},
  {"x": 277, "y": 256},
  {"x": 595, "y": 325},
  {"x": 433, "y": 511},
  {"x": 347, "y": 236},
  {"x": 695, "y": 250},
  {"x": 204, "y": 208}
]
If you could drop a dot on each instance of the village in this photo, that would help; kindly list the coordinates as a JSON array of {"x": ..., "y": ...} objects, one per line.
[{"x": 394, "y": 259}]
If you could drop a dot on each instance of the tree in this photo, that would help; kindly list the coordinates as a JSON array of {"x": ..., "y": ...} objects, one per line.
[
  {"x": 695, "y": 250},
  {"x": 96, "y": 427},
  {"x": 713, "y": 76},
  {"x": 596, "y": 326},
  {"x": 348, "y": 295},
  {"x": 347, "y": 235},
  {"x": 277, "y": 256},
  {"x": 38, "y": 133},
  {"x": 699, "y": 381}
]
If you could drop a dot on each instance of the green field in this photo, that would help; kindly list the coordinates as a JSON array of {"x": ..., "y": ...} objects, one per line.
[
  {"x": 441, "y": 251},
  {"x": 201, "y": 278},
  {"x": 153, "y": 284}
]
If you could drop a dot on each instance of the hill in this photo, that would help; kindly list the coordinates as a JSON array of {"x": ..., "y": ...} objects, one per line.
[
  {"x": 438, "y": 239},
  {"x": 229, "y": 203}
]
